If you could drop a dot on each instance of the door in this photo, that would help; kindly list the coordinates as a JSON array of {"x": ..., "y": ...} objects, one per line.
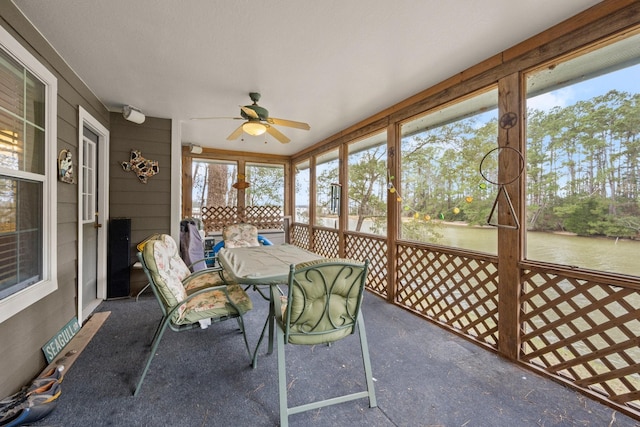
[{"x": 92, "y": 205}]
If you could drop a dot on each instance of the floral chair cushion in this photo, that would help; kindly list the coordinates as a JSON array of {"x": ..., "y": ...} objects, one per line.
[
  {"x": 167, "y": 272},
  {"x": 175, "y": 282},
  {"x": 214, "y": 304},
  {"x": 240, "y": 236},
  {"x": 203, "y": 279},
  {"x": 182, "y": 271}
]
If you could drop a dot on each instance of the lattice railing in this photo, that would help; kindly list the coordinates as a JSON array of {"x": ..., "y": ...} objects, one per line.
[
  {"x": 300, "y": 235},
  {"x": 582, "y": 331},
  {"x": 375, "y": 250},
  {"x": 325, "y": 242},
  {"x": 458, "y": 291},
  {"x": 215, "y": 218},
  {"x": 585, "y": 332}
]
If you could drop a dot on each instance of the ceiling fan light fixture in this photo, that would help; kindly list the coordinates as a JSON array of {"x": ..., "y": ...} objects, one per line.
[{"x": 254, "y": 128}]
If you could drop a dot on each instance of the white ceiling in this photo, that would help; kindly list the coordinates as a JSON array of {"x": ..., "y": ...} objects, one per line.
[{"x": 331, "y": 63}]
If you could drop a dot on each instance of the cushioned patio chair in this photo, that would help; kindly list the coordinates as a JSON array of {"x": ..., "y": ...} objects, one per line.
[
  {"x": 240, "y": 235},
  {"x": 188, "y": 300},
  {"x": 322, "y": 306}
]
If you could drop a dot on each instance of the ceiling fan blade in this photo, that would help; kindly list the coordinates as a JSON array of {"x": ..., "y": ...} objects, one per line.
[
  {"x": 250, "y": 112},
  {"x": 277, "y": 134},
  {"x": 288, "y": 123},
  {"x": 216, "y": 118},
  {"x": 235, "y": 134}
]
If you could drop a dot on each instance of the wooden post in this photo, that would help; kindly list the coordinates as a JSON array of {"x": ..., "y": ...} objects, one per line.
[
  {"x": 343, "y": 213},
  {"x": 313, "y": 188},
  {"x": 393, "y": 208},
  {"x": 187, "y": 183},
  {"x": 510, "y": 247}
]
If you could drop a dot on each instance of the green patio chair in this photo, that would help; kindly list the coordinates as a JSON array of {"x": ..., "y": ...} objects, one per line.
[
  {"x": 188, "y": 300},
  {"x": 322, "y": 306}
]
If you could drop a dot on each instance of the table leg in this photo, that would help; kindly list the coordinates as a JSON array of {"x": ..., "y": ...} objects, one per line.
[
  {"x": 272, "y": 319},
  {"x": 270, "y": 323}
]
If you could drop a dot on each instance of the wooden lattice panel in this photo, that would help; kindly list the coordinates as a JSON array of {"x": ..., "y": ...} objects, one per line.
[
  {"x": 451, "y": 289},
  {"x": 215, "y": 218},
  {"x": 375, "y": 250},
  {"x": 264, "y": 217},
  {"x": 300, "y": 235},
  {"x": 585, "y": 332},
  {"x": 325, "y": 242}
]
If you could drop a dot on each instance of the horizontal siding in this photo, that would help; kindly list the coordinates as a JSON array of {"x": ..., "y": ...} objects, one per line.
[
  {"x": 23, "y": 335},
  {"x": 148, "y": 205}
]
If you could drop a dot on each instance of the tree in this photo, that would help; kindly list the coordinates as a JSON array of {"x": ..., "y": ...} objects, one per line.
[
  {"x": 367, "y": 174},
  {"x": 266, "y": 186}
]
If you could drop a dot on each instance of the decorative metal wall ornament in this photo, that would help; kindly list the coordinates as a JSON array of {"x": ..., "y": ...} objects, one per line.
[
  {"x": 65, "y": 167},
  {"x": 507, "y": 121},
  {"x": 143, "y": 168}
]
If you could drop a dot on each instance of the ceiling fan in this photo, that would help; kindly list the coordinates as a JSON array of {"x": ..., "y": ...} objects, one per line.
[{"x": 258, "y": 122}]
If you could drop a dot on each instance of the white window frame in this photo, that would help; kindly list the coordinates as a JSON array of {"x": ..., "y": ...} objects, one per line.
[{"x": 17, "y": 302}]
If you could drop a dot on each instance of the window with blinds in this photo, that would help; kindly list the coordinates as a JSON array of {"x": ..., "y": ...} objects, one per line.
[{"x": 22, "y": 176}]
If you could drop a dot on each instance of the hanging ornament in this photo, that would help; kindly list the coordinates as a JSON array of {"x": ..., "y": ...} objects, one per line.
[
  {"x": 468, "y": 199},
  {"x": 456, "y": 211},
  {"x": 241, "y": 184}
]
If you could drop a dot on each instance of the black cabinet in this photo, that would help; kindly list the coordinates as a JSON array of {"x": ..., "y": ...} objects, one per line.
[{"x": 119, "y": 258}]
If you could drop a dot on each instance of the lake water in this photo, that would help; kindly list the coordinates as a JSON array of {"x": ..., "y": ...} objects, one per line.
[
  {"x": 611, "y": 255},
  {"x": 618, "y": 256}
]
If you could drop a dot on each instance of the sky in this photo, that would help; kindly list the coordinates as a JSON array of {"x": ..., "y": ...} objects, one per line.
[{"x": 626, "y": 80}]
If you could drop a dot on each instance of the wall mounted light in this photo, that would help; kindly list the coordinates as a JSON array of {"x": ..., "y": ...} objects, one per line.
[{"x": 133, "y": 114}]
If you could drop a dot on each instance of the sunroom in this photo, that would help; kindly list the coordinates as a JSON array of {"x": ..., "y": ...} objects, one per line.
[{"x": 500, "y": 204}]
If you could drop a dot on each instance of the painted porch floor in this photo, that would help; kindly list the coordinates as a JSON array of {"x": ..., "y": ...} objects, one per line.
[{"x": 424, "y": 375}]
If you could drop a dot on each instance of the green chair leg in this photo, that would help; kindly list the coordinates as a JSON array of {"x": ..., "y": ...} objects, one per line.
[
  {"x": 367, "y": 362},
  {"x": 285, "y": 411},
  {"x": 154, "y": 347},
  {"x": 282, "y": 379}
]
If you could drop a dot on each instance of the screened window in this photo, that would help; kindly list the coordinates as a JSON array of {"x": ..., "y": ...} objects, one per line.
[
  {"x": 213, "y": 184},
  {"x": 367, "y": 168},
  {"x": 27, "y": 178},
  {"x": 266, "y": 185},
  {"x": 327, "y": 189},
  {"x": 443, "y": 197},
  {"x": 302, "y": 185},
  {"x": 583, "y": 180}
]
